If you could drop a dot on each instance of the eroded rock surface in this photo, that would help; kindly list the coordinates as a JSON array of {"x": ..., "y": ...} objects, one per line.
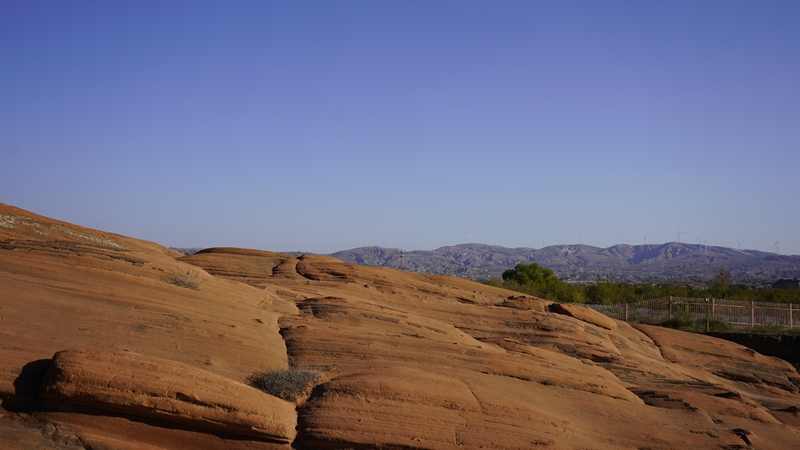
[
  {"x": 585, "y": 314},
  {"x": 164, "y": 390},
  {"x": 407, "y": 361}
]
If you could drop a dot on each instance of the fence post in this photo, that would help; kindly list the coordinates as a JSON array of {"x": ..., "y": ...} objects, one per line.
[
  {"x": 669, "y": 309},
  {"x": 626, "y": 311},
  {"x": 791, "y": 319},
  {"x": 752, "y": 313}
]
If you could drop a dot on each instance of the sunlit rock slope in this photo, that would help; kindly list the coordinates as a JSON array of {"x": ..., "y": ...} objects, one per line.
[{"x": 112, "y": 342}]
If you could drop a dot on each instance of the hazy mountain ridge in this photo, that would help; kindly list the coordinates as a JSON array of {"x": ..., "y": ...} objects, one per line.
[
  {"x": 622, "y": 262},
  {"x": 186, "y": 251}
]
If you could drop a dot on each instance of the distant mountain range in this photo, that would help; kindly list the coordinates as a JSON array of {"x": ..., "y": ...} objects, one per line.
[{"x": 672, "y": 261}]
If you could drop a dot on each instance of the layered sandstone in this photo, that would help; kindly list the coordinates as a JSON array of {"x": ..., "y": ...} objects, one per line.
[
  {"x": 167, "y": 391},
  {"x": 100, "y": 348}
]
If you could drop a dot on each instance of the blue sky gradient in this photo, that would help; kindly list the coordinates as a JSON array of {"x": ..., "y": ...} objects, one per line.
[{"x": 322, "y": 126}]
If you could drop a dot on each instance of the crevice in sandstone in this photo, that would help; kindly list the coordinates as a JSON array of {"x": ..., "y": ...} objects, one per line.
[
  {"x": 304, "y": 274},
  {"x": 743, "y": 435},
  {"x": 287, "y": 268},
  {"x": 656, "y": 344},
  {"x": 477, "y": 400}
]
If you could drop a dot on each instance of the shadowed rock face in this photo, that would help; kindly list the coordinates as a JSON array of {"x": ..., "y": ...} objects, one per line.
[
  {"x": 166, "y": 391},
  {"x": 99, "y": 348}
]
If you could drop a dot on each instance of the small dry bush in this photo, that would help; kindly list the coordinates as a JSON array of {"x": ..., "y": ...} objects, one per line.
[
  {"x": 288, "y": 384},
  {"x": 185, "y": 280}
]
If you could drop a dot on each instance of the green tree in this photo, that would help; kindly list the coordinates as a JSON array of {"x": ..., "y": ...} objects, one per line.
[
  {"x": 647, "y": 291},
  {"x": 567, "y": 293},
  {"x": 603, "y": 292},
  {"x": 721, "y": 280},
  {"x": 674, "y": 290},
  {"x": 531, "y": 278}
]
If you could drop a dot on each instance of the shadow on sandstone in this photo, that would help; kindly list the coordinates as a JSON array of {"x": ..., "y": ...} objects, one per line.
[{"x": 26, "y": 400}]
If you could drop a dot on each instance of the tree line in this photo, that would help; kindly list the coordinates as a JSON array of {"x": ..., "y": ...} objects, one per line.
[{"x": 538, "y": 281}]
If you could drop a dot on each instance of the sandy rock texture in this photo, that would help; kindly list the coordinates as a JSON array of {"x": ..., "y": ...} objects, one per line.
[
  {"x": 112, "y": 342},
  {"x": 164, "y": 390}
]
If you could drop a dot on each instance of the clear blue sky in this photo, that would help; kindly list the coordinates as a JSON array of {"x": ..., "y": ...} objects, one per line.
[{"x": 322, "y": 126}]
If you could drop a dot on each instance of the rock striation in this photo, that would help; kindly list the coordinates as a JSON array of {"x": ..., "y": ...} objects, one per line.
[
  {"x": 116, "y": 343},
  {"x": 167, "y": 391}
]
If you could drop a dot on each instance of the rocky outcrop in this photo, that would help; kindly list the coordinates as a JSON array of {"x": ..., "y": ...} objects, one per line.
[
  {"x": 387, "y": 407},
  {"x": 172, "y": 392},
  {"x": 585, "y": 314},
  {"x": 406, "y": 360},
  {"x": 786, "y": 347}
]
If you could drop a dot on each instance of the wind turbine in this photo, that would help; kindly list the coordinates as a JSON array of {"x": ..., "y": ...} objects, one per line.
[
  {"x": 777, "y": 248},
  {"x": 679, "y": 234},
  {"x": 705, "y": 245},
  {"x": 740, "y": 245},
  {"x": 645, "y": 239},
  {"x": 579, "y": 237}
]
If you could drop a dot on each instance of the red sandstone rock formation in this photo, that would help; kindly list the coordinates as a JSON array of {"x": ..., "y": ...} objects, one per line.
[
  {"x": 113, "y": 342},
  {"x": 166, "y": 391}
]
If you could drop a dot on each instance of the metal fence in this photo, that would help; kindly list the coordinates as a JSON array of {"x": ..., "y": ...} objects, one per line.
[{"x": 738, "y": 313}]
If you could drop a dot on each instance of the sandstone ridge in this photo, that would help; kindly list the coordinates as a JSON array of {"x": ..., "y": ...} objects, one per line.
[
  {"x": 112, "y": 342},
  {"x": 164, "y": 390}
]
